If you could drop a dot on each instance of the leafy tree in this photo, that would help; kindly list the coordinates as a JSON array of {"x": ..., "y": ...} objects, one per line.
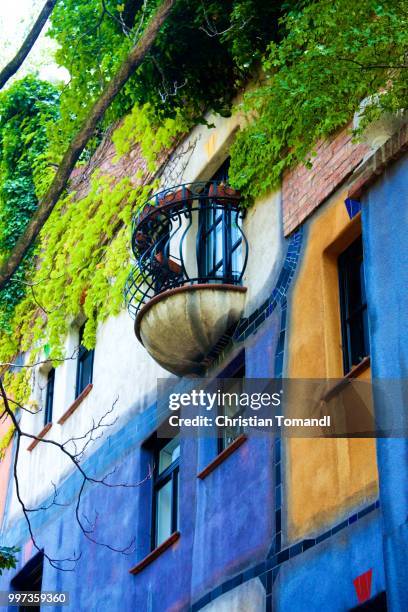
[
  {"x": 113, "y": 71},
  {"x": 78, "y": 143},
  {"x": 333, "y": 55},
  {"x": 203, "y": 54}
]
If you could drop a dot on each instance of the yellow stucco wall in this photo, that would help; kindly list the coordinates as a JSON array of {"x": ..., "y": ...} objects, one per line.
[{"x": 325, "y": 478}]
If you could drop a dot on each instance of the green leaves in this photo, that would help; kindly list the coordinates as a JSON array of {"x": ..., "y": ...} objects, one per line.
[
  {"x": 319, "y": 62},
  {"x": 26, "y": 110},
  {"x": 84, "y": 246},
  {"x": 201, "y": 57},
  {"x": 333, "y": 56},
  {"x": 8, "y": 557}
]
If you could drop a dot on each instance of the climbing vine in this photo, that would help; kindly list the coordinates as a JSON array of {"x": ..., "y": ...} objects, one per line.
[
  {"x": 200, "y": 59},
  {"x": 85, "y": 256},
  {"x": 26, "y": 110},
  {"x": 318, "y": 62}
]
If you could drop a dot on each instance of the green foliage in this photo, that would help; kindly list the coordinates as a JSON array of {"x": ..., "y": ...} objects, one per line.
[
  {"x": 8, "y": 557},
  {"x": 26, "y": 108},
  {"x": 4, "y": 443},
  {"x": 334, "y": 55},
  {"x": 85, "y": 257},
  {"x": 313, "y": 83},
  {"x": 138, "y": 129},
  {"x": 203, "y": 54}
]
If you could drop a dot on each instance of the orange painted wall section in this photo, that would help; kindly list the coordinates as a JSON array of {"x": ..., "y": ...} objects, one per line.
[
  {"x": 5, "y": 467},
  {"x": 326, "y": 479}
]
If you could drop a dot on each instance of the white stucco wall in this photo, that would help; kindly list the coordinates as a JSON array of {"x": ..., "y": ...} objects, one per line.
[
  {"x": 122, "y": 367},
  {"x": 122, "y": 370}
]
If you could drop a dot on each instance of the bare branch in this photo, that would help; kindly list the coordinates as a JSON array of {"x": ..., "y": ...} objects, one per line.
[
  {"x": 373, "y": 66},
  {"x": 88, "y": 528},
  {"x": 211, "y": 30},
  {"x": 119, "y": 20},
  {"x": 53, "y": 562},
  {"x": 12, "y": 67},
  {"x": 18, "y": 405},
  {"x": 10, "y": 364}
]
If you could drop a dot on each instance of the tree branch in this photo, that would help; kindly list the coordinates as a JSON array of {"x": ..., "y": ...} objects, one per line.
[
  {"x": 374, "y": 66},
  {"x": 75, "y": 458},
  {"x": 12, "y": 67},
  {"x": 46, "y": 206}
]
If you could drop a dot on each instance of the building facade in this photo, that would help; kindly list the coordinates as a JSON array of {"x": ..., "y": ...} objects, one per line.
[{"x": 309, "y": 283}]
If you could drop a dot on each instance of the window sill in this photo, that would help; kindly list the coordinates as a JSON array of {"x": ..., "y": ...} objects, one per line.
[
  {"x": 222, "y": 456},
  {"x": 155, "y": 553},
  {"x": 75, "y": 404},
  {"x": 354, "y": 373},
  {"x": 39, "y": 437}
]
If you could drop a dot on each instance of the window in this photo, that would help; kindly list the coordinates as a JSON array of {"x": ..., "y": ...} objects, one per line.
[
  {"x": 49, "y": 397},
  {"x": 221, "y": 240},
  {"x": 353, "y": 305},
  {"x": 166, "y": 490},
  {"x": 236, "y": 372},
  {"x": 18, "y": 363},
  {"x": 376, "y": 604},
  {"x": 30, "y": 579},
  {"x": 84, "y": 367}
]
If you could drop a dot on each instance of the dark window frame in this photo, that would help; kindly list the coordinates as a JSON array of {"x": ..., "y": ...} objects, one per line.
[
  {"x": 83, "y": 355},
  {"x": 209, "y": 220},
  {"x": 378, "y": 603},
  {"x": 30, "y": 578},
  {"x": 235, "y": 369},
  {"x": 354, "y": 321},
  {"x": 49, "y": 397},
  {"x": 171, "y": 473}
]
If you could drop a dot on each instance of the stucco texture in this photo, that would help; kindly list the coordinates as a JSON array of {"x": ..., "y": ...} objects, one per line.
[
  {"x": 339, "y": 474},
  {"x": 385, "y": 222}
]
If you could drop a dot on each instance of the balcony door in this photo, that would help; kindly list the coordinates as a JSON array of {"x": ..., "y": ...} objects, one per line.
[{"x": 219, "y": 242}]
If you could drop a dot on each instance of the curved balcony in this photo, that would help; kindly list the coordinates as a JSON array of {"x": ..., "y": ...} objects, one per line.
[{"x": 185, "y": 290}]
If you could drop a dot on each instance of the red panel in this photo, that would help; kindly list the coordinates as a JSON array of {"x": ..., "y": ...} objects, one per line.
[{"x": 362, "y": 584}]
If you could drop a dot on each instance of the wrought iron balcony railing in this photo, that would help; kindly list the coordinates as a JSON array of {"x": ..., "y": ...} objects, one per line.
[{"x": 187, "y": 235}]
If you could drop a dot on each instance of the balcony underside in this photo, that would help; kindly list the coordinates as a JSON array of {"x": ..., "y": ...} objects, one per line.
[{"x": 179, "y": 327}]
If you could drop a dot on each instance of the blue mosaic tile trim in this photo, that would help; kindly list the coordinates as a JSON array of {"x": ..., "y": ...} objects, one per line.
[
  {"x": 277, "y": 453},
  {"x": 268, "y": 570},
  {"x": 280, "y": 347},
  {"x": 250, "y": 325},
  {"x": 353, "y": 207}
]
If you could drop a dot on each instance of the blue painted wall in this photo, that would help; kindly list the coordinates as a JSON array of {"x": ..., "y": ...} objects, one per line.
[
  {"x": 322, "y": 577},
  {"x": 226, "y": 524},
  {"x": 385, "y": 230},
  {"x": 214, "y": 516},
  {"x": 227, "y": 521}
]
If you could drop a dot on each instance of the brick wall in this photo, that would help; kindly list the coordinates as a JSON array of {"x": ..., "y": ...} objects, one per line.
[
  {"x": 375, "y": 165},
  {"x": 303, "y": 190}
]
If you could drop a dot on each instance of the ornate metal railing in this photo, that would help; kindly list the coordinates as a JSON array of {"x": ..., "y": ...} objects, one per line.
[{"x": 185, "y": 235}]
